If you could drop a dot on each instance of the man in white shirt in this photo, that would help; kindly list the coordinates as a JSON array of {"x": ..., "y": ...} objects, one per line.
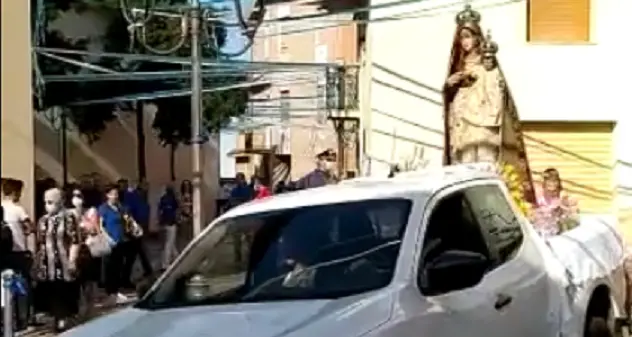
[
  {"x": 15, "y": 216},
  {"x": 21, "y": 258}
]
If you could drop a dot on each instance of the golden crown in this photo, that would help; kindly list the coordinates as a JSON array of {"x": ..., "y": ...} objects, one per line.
[
  {"x": 489, "y": 47},
  {"x": 468, "y": 16}
]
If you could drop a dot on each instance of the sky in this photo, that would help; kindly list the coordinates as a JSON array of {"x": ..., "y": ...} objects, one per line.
[{"x": 236, "y": 41}]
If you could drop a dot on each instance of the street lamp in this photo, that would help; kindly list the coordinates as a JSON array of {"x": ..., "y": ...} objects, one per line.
[{"x": 194, "y": 22}]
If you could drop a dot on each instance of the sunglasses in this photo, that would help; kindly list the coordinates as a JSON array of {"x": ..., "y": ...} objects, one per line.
[{"x": 77, "y": 195}]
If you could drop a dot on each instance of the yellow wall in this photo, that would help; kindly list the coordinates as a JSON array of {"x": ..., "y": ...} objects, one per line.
[
  {"x": 583, "y": 154},
  {"x": 17, "y": 113}
]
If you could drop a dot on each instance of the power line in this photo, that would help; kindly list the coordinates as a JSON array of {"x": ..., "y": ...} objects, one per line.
[{"x": 422, "y": 13}]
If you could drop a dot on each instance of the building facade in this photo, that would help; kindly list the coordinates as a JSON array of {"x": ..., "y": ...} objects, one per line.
[
  {"x": 18, "y": 138},
  {"x": 562, "y": 63},
  {"x": 294, "y": 109}
]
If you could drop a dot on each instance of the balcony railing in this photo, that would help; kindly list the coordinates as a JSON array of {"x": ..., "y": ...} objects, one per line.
[{"x": 342, "y": 88}]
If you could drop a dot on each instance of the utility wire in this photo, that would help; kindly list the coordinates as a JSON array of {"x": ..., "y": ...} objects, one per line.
[
  {"x": 422, "y": 13},
  {"x": 181, "y": 60}
]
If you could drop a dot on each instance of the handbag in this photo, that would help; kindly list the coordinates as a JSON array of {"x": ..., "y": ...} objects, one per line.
[{"x": 99, "y": 244}]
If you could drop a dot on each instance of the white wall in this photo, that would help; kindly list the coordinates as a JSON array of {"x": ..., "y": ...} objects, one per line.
[{"x": 582, "y": 82}]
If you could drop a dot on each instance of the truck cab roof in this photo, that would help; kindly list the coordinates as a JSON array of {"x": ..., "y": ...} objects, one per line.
[{"x": 426, "y": 181}]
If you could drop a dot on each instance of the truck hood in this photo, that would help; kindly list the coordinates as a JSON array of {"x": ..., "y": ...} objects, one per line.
[{"x": 346, "y": 317}]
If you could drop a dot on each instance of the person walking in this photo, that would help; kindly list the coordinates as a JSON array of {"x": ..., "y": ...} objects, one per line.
[
  {"x": 261, "y": 190},
  {"x": 185, "y": 214},
  {"x": 136, "y": 204},
  {"x": 88, "y": 266},
  {"x": 242, "y": 192},
  {"x": 23, "y": 246},
  {"x": 57, "y": 240},
  {"x": 167, "y": 217},
  {"x": 323, "y": 173},
  {"x": 113, "y": 217}
]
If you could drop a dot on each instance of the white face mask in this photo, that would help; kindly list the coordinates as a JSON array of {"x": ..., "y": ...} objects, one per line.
[
  {"x": 77, "y": 202},
  {"x": 328, "y": 165}
]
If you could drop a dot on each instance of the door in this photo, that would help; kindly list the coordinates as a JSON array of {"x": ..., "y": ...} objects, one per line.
[
  {"x": 511, "y": 299},
  {"x": 518, "y": 275}
]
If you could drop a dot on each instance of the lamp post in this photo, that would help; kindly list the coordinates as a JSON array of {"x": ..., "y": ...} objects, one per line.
[{"x": 196, "y": 115}]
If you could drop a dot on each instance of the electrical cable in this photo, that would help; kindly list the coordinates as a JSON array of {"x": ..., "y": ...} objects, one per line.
[
  {"x": 183, "y": 60},
  {"x": 422, "y": 13},
  {"x": 240, "y": 14}
]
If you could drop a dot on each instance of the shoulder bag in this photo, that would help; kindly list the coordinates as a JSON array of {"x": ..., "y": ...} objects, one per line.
[{"x": 100, "y": 244}]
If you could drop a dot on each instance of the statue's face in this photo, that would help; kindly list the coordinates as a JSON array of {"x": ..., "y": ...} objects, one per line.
[
  {"x": 468, "y": 39},
  {"x": 489, "y": 62}
]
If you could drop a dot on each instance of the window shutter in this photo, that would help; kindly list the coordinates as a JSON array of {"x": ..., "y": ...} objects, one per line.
[{"x": 561, "y": 21}]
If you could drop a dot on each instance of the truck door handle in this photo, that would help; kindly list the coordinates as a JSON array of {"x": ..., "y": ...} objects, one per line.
[{"x": 502, "y": 301}]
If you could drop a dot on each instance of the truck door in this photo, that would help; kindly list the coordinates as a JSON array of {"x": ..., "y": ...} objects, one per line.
[
  {"x": 509, "y": 298},
  {"x": 445, "y": 306},
  {"x": 518, "y": 278}
]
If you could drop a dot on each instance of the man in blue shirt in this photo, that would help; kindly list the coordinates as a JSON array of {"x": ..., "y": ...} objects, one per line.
[
  {"x": 242, "y": 192},
  {"x": 136, "y": 204}
]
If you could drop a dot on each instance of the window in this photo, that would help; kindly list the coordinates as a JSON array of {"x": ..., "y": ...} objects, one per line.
[
  {"x": 321, "y": 100},
  {"x": 451, "y": 226},
  {"x": 266, "y": 42},
  {"x": 313, "y": 252},
  {"x": 285, "y": 105},
  {"x": 283, "y": 11},
  {"x": 321, "y": 54},
  {"x": 248, "y": 140},
  {"x": 558, "y": 21},
  {"x": 497, "y": 219}
]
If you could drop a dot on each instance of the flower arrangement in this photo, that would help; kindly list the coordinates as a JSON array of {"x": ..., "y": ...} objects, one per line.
[{"x": 515, "y": 186}]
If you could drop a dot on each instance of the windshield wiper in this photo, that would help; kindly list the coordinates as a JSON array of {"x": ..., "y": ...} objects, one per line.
[{"x": 265, "y": 284}]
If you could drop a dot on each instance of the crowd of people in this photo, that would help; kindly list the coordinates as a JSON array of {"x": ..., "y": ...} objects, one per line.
[{"x": 79, "y": 248}]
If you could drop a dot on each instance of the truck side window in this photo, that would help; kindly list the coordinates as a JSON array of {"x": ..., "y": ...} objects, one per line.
[
  {"x": 452, "y": 226},
  {"x": 498, "y": 220}
]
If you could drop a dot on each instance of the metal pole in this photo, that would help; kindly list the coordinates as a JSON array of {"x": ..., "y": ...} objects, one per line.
[
  {"x": 64, "y": 146},
  {"x": 7, "y": 303},
  {"x": 196, "y": 115}
]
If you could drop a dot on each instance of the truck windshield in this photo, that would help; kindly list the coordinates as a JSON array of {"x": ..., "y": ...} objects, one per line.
[{"x": 316, "y": 252}]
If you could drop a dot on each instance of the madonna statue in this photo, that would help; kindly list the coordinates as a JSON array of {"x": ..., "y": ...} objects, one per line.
[{"x": 481, "y": 121}]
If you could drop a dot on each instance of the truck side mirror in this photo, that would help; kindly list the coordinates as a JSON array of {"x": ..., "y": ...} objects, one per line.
[{"x": 452, "y": 270}]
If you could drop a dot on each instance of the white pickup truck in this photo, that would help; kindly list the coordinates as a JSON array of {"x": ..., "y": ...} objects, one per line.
[{"x": 433, "y": 253}]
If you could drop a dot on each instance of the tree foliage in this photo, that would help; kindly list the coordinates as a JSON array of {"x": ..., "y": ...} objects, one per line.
[
  {"x": 90, "y": 120},
  {"x": 172, "y": 121}
]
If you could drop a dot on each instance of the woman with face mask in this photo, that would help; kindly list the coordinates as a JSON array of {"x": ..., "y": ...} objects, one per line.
[
  {"x": 88, "y": 267},
  {"x": 57, "y": 248},
  {"x": 114, "y": 218}
]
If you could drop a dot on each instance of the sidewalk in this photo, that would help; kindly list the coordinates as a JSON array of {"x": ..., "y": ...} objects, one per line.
[{"x": 153, "y": 248}]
